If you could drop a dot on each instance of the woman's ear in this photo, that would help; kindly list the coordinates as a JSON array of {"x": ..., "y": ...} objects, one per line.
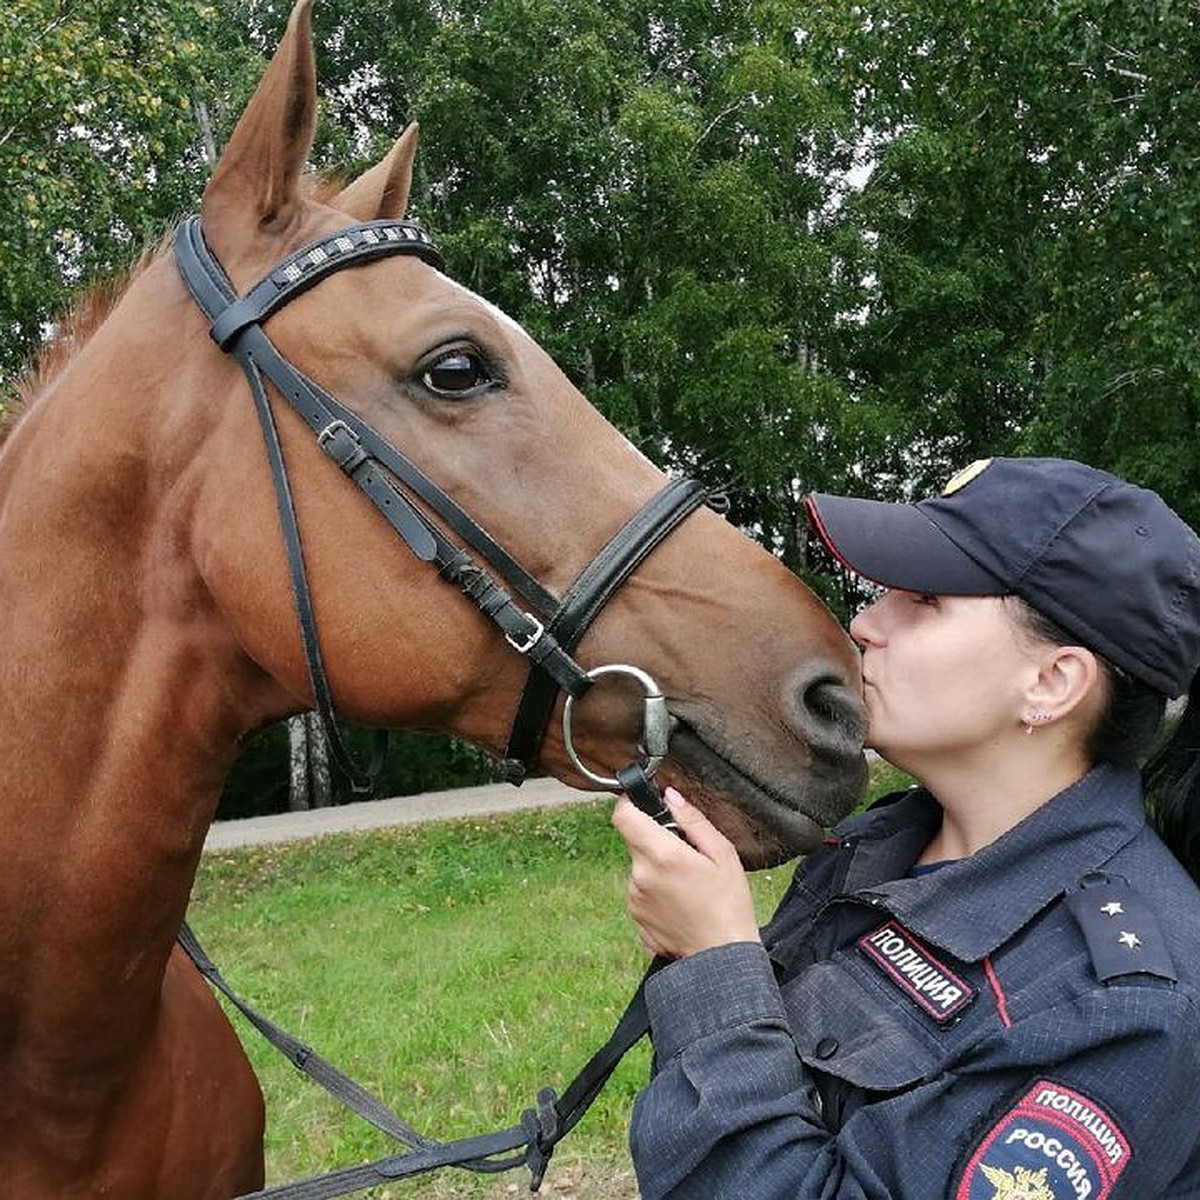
[{"x": 1068, "y": 677}]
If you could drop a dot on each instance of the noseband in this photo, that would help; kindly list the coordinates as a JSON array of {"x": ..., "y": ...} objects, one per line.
[{"x": 537, "y": 624}]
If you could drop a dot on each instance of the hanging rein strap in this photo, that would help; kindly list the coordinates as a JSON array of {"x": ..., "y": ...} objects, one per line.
[
  {"x": 531, "y": 1142},
  {"x": 389, "y": 479}
]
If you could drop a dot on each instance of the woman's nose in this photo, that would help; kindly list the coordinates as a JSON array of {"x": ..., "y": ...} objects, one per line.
[{"x": 866, "y": 626}]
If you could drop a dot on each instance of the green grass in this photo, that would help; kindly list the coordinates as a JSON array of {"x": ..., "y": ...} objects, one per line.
[{"x": 453, "y": 969}]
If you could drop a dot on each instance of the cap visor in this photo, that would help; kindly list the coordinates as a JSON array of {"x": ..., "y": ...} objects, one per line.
[{"x": 897, "y": 546}]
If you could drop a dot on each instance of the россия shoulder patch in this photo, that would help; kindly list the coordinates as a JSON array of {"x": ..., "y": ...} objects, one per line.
[{"x": 1053, "y": 1144}]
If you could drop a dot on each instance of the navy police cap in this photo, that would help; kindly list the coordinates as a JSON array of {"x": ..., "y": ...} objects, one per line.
[{"x": 1107, "y": 561}]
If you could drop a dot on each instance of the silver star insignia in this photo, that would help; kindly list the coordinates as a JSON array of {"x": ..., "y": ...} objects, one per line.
[
  {"x": 1130, "y": 939},
  {"x": 1112, "y": 908}
]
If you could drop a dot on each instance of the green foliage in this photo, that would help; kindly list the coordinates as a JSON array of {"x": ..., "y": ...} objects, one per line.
[
  {"x": 1027, "y": 236},
  {"x": 100, "y": 142},
  {"x": 1119, "y": 320},
  {"x": 659, "y": 191}
]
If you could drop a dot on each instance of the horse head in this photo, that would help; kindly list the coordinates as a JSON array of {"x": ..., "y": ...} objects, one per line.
[{"x": 761, "y": 683}]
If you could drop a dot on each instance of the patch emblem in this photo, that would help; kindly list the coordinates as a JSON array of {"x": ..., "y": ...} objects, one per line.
[
  {"x": 966, "y": 475},
  {"x": 1054, "y": 1144},
  {"x": 1020, "y": 1185},
  {"x": 930, "y": 984}
]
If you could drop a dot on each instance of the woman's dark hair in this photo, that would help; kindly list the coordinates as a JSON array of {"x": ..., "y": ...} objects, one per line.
[
  {"x": 1125, "y": 734},
  {"x": 1172, "y": 781}
]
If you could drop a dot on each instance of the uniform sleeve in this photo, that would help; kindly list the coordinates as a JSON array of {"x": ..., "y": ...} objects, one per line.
[
  {"x": 1099, "y": 1102},
  {"x": 731, "y": 1110}
]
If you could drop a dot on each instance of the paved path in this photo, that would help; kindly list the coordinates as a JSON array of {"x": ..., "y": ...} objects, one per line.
[{"x": 403, "y": 810}]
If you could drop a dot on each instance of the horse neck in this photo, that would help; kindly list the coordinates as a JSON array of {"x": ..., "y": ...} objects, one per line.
[{"x": 116, "y": 676}]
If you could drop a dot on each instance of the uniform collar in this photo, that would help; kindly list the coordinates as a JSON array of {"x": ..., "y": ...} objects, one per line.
[{"x": 972, "y": 906}]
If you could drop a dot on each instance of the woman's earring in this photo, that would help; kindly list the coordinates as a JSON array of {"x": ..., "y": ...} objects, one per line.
[{"x": 1040, "y": 717}]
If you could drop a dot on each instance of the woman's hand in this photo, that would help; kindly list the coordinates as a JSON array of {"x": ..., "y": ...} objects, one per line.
[{"x": 684, "y": 897}]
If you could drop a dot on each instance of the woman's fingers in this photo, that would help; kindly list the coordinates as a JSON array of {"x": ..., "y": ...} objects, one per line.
[
  {"x": 699, "y": 830},
  {"x": 684, "y": 897}
]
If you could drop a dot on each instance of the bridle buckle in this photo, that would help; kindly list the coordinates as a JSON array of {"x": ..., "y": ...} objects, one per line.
[
  {"x": 534, "y": 636},
  {"x": 343, "y": 445}
]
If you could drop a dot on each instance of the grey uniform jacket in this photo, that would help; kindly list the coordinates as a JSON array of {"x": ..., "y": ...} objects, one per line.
[{"x": 1019, "y": 1025}]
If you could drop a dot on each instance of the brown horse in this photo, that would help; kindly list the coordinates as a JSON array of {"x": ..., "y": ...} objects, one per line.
[{"x": 147, "y": 626}]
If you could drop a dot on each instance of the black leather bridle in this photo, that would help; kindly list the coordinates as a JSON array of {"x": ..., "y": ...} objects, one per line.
[{"x": 544, "y": 628}]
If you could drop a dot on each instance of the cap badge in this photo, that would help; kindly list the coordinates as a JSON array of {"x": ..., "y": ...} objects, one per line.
[{"x": 966, "y": 475}]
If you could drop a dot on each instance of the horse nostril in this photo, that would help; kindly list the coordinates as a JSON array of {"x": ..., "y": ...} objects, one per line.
[
  {"x": 831, "y": 718},
  {"x": 826, "y": 699}
]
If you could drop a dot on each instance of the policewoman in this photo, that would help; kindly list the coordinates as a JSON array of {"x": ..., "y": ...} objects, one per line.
[{"x": 985, "y": 987}]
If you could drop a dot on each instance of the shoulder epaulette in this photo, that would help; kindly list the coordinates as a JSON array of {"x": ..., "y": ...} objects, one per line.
[{"x": 1123, "y": 934}]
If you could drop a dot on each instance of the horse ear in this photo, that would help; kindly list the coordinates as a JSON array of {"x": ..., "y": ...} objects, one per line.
[
  {"x": 381, "y": 193},
  {"x": 256, "y": 185}
]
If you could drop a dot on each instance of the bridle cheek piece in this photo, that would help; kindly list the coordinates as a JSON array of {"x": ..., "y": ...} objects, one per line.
[{"x": 543, "y": 628}]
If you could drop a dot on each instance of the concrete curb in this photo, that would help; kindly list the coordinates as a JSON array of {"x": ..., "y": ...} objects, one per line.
[{"x": 402, "y": 810}]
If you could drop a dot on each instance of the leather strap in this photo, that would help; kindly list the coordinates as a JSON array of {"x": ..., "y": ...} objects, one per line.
[
  {"x": 535, "y": 1137},
  {"x": 306, "y": 267},
  {"x": 590, "y": 592}
]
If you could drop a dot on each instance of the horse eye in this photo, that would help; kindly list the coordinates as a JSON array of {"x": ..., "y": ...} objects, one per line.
[{"x": 456, "y": 374}]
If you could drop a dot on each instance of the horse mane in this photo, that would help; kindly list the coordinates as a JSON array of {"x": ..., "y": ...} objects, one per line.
[{"x": 86, "y": 312}]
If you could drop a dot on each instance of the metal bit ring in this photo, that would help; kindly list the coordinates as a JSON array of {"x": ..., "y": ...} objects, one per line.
[{"x": 656, "y": 724}]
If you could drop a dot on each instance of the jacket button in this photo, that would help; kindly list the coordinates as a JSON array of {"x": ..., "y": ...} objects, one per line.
[{"x": 827, "y": 1047}]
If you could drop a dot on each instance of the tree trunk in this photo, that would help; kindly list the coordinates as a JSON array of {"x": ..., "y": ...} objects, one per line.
[
  {"x": 319, "y": 782},
  {"x": 309, "y": 783},
  {"x": 299, "y": 794}
]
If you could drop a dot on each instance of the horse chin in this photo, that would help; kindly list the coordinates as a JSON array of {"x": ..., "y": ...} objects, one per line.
[{"x": 767, "y": 826}]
